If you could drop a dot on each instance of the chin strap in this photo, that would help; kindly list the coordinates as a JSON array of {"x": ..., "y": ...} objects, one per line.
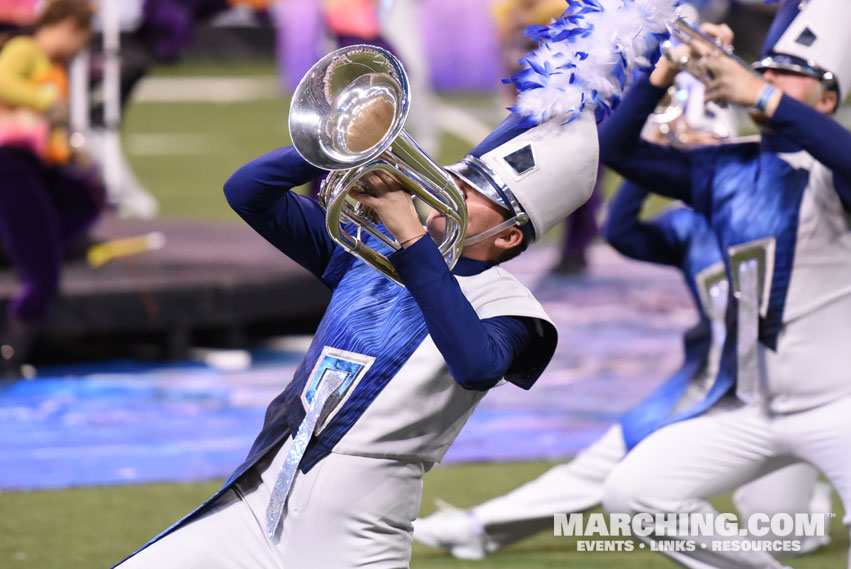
[{"x": 479, "y": 237}]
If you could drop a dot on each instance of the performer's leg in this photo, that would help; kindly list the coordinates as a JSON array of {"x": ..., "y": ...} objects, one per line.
[
  {"x": 226, "y": 536},
  {"x": 346, "y": 512},
  {"x": 78, "y": 198},
  {"x": 821, "y": 437},
  {"x": 580, "y": 230},
  {"x": 30, "y": 232},
  {"x": 678, "y": 467},
  {"x": 583, "y": 228},
  {"x": 791, "y": 490},
  {"x": 571, "y": 487},
  {"x": 527, "y": 510}
]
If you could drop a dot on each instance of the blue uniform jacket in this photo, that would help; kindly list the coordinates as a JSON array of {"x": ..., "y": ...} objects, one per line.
[
  {"x": 746, "y": 191},
  {"x": 678, "y": 238},
  {"x": 370, "y": 314}
]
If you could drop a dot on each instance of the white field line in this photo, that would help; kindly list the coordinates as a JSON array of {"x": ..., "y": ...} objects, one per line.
[
  {"x": 457, "y": 121},
  {"x": 207, "y": 89},
  {"x": 174, "y": 144},
  {"x": 450, "y": 118}
]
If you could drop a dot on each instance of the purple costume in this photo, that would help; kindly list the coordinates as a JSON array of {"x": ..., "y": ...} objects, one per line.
[
  {"x": 167, "y": 25},
  {"x": 43, "y": 211}
]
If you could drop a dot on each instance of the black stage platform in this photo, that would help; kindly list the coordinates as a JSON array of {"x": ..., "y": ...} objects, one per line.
[{"x": 211, "y": 284}]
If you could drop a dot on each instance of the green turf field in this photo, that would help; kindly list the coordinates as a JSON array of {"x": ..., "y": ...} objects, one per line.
[
  {"x": 184, "y": 152},
  {"x": 95, "y": 527},
  {"x": 206, "y": 142}
]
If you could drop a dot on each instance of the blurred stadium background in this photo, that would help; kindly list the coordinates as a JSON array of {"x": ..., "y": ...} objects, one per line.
[{"x": 113, "y": 441}]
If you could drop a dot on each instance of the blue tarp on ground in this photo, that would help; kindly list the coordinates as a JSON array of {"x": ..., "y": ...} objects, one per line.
[{"x": 126, "y": 422}]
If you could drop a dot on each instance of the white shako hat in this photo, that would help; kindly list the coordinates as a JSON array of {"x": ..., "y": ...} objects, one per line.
[
  {"x": 540, "y": 174},
  {"x": 811, "y": 37}
]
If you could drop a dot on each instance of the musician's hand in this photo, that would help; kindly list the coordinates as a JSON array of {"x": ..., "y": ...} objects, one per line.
[
  {"x": 383, "y": 193},
  {"x": 734, "y": 83},
  {"x": 721, "y": 32},
  {"x": 666, "y": 70}
]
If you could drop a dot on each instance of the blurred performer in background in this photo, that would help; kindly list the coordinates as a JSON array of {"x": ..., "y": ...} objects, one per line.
[
  {"x": 780, "y": 211},
  {"x": 15, "y": 14},
  {"x": 402, "y": 24},
  {"x": 153, "y": 32},
  {"x": 353, "y": 22},
  {"x": 167, "y": 27},
  {"x": 683, "y": 239},
  {"x": 48, "y": 195},
  {"x": 512, "y": 18}
]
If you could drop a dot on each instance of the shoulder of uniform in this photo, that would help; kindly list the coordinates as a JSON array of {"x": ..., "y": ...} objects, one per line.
[
  {"x": 496, "y": 292},
  {"x": 494, "y": 276}
]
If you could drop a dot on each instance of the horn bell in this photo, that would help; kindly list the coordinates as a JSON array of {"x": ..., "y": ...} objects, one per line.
[{"x": 348, "y": 115}]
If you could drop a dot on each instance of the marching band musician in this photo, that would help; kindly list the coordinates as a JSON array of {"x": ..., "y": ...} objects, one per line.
[
  {"x": 680, "y": 238},
  {"x": 46, "y": 201},
  {"x": 410, "y": 363},
  {"x": 334, "y": 478},
  {"x": 779, "y": 210}
]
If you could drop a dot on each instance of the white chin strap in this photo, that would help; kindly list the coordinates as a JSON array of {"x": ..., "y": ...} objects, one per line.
[{"x": 490, "y": 232}]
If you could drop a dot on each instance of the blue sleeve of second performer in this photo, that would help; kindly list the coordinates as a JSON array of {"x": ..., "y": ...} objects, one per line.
[
  {"x": 662, "y": 170},
  {"x": 823, "y": 137},
  {"x": 652, "y": 241}
]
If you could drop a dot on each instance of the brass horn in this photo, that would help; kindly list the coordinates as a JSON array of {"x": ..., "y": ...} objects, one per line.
[
  {"x": 701, "y": 44},
  {"x": 347, "y": 115}
]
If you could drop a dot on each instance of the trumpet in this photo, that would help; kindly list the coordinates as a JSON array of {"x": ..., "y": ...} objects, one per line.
[
  {"x": 347, "y": 115},
  {"x": 699, "y": 43}
]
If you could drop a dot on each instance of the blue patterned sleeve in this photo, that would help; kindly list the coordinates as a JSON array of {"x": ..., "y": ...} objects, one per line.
[
  {"x": 824, "y": 138},
  {"x": 260, "y": 193},
  {"x": 653, "y": 241},
  {"x": 478, "y": 352},
  {"x": 662, "y": 170}
]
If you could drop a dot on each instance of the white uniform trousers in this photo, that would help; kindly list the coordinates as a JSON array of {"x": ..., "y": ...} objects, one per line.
[
  {"x": 677, "y": 468},
  {"x": 578, "y": 486},
  {"x": 347, "y": 511}
]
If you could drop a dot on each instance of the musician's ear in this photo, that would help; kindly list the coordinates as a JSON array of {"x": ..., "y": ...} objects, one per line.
[
  {"x": 511, "y": 238},
  {"x": 828, "y": 102},
  {"x": 509, "y": 244}
]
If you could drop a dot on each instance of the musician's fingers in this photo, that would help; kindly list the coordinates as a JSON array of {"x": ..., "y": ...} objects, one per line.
[
  {"x": 682, "y": 53},
  {"x": 714, "y": 96},
  {"x": 712, "y": 63},
  {"x": 722, "y": 32},
  {"x": 721, "y": 66},
  {"x": 714, "y": 90},
  {"x": 373, "y": 184},
  {"x": 365, "y": 199},
  {"x": 389, "y": 180},
  {"x": 726, "y": 35}
]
